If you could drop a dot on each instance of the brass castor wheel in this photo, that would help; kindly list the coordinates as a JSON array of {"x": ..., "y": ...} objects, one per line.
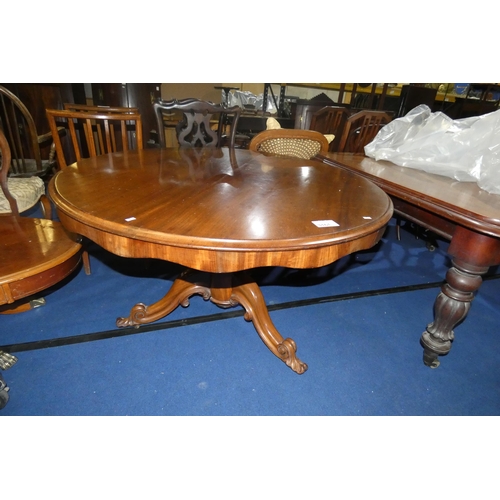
[{"x": 431, "y": 359}]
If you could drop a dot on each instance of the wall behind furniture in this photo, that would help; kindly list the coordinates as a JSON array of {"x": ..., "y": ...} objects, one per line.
[{"x": 205, "y": 91}]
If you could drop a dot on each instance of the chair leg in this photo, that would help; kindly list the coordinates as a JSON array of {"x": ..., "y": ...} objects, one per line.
[
  {"x": 46, "y": 207},
  {"x": 86, "y": 262}
]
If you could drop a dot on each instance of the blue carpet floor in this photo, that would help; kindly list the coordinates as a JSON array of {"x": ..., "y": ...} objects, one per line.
[{"x": 357, "y": 324}]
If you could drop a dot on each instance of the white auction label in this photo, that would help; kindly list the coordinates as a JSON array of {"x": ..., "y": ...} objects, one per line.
[{"x": 325, "y": 223}]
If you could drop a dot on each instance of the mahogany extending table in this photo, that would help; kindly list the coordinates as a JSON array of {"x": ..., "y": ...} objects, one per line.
[
  {"x": 460, "y": 212},
  {"x": 220, "y": 213}
]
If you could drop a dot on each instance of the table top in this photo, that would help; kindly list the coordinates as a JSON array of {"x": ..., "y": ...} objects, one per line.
[
  {"x": 219, "y": 210},
  {"x": 462, "y": 202},
  {"x": 31, "y": 247}
]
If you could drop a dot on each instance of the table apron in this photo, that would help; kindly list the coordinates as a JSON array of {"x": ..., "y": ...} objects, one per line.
[
  {"x": 220, "y": 260},
  {"x": 425, "y": 218}
]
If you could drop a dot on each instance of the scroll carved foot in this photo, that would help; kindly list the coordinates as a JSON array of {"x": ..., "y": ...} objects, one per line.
[
  {"x": 220, "y": 290},
  {"x": 451, "y": 307},
  {"x": 178, "y": 294},
  {"x": 250, "y": 297}
]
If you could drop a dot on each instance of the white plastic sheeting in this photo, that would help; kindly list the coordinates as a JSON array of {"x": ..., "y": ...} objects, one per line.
[{"x": 467, "y": 149}]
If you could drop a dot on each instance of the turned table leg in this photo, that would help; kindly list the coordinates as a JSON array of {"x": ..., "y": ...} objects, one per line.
[
  {"x": 451, "y": 307},
  {"x": 473, "y": 254}
]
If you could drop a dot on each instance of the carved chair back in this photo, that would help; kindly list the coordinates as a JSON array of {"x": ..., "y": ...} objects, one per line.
[{"x": 202, "y": 124}]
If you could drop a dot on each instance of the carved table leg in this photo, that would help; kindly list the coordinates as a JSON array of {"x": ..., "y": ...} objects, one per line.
[
  {"x": 451, "y": 307},
  {"x": 224, "y": 291},
  {"x": 183, "y": 287},
  {"x": 250, "y": 297}
]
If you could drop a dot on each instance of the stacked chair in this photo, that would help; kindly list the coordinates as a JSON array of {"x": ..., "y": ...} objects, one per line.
[{"x": 93, "y": 132}]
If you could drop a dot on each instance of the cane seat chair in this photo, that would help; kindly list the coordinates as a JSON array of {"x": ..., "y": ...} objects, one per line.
[
  {"x": 305, "y": 144},
  {"x": 361, "y": 128},
  {"x": 201, "y": 123},
  {"x": 94, "y": 133}
]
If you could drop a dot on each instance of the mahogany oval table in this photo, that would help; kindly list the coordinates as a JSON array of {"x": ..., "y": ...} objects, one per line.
[{"x": 220, "y": 212}]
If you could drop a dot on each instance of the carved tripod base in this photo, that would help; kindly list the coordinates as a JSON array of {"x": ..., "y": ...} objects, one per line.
[
  {"x": 224, "y": 290},
  {"x": 451, "y": 307}
]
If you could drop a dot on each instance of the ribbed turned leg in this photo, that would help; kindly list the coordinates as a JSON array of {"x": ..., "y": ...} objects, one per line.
[{"x": 451, "y": 308}]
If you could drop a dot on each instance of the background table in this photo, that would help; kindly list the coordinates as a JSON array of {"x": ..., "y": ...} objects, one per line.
[{"x": 458, "y": 211}]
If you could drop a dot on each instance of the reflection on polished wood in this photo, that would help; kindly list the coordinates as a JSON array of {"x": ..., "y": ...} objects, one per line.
[
  {"x": 219, "y": 212},
  {"x": 458, "y": 211},
  {"x": 35, "y": 254}
]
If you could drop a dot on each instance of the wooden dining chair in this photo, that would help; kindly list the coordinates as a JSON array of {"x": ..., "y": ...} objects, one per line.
[
  {"x": 69, "y": 106},
  {"x": 24, "y": 180},
  {"x": 361, "y": 128},
  {"x": 92, "y": 134},
  {"x": 32, "y": 153},
  {"x": 97, "y": 109},
  {"x": 331, "y": 120},
  {"x": 201, "y": 123},
  {"x": 297, "y": 143}
]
